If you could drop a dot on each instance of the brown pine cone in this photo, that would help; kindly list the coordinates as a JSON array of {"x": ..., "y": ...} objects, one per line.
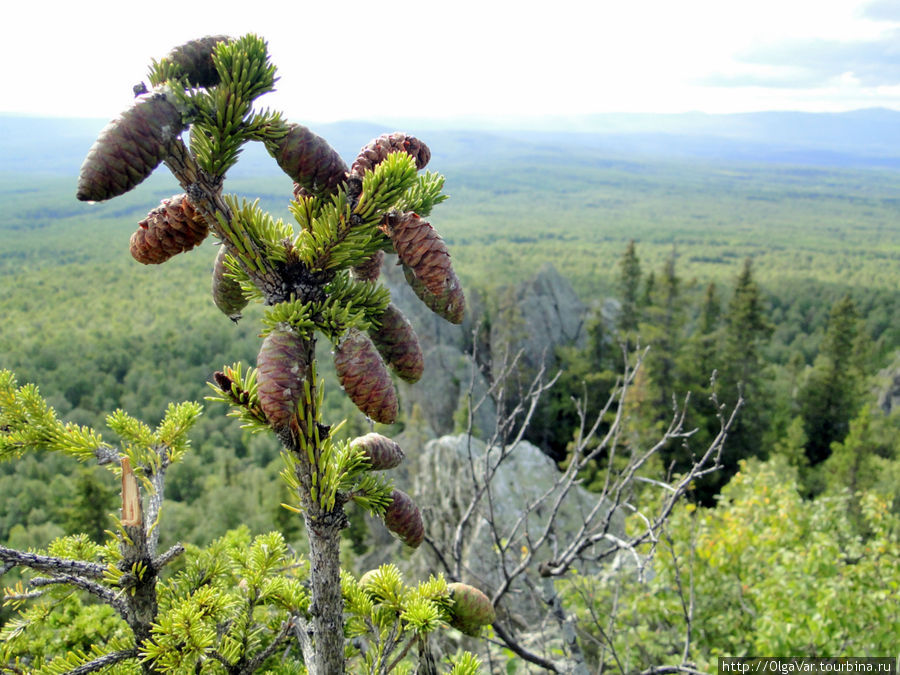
[
  {"x": 282, "y": 367},
  {"x": 129, "y": 148},
  {"x": 450, "y": 306},
  {"x": 402, "y": 518},
  {"x": 471, "y": 609},
  {"x": 307, "y": 158},
  {"x": 364, "y": 377},
  {"x": 381, "y": 451},
  {"x": 195, "y": 58},
  {"x": 172, "y": 227},
  {"x": 422, "y": 251},
  {"x": 370, "y": 270},
  {"x": 227, "y": 293},
  {"x": 398, "y": 345},
  {"x": 377, "y": 150},
  {"x": 421, "y": 248}
]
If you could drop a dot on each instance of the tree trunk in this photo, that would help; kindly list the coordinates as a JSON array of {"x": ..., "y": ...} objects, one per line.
[{"x": 327, "y": 603}]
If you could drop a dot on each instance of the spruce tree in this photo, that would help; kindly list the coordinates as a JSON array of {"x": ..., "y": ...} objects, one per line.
[
  {"x": 629, "y": 285},
  {"x": 235, "y": 604},
  {"x": 831, "y": 393},
  {"x": 746, "y": 330}
]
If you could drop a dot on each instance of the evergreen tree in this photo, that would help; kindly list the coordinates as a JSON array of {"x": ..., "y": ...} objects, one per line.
[
  {"x": 661, "y": 330},
  {"x": 698, "y": 359},
  {"x": 831, "y": 393},
  {"x": 666, "y": 320},
  {"x": 742, "y": 373},
  {"x": 629, "y": 285},
  {"x": 89, "y": 507}
]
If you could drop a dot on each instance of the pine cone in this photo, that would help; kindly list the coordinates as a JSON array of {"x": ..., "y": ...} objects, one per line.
[
  {"x": 375, "y": 152},
  {"x": 364, "y": 377},
  {"x": 227, "y": 293},
  {"x": 282, "y": 366},
  {"x": 398, "y": 345},
  {"x": 171, "y": 228},
  {"x": 402, "y": 518},
  {"x": 451, "y": 306},
  {"x": 370, "y": 270},
  {"x": 471, "y": 609},
  {"x": 421, "y": 248},
  {"x": 381, "y": 451},
  {"x": 309, "y": 159},
  {"x": 195, "y": 58},
  {"x": 129, "y": 148}
]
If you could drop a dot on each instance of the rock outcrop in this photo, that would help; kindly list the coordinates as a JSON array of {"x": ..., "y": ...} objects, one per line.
[
  {"x": 535, "y": 318},
  {"x": 540, "y": 315},
  {"x": 889, "y": 387},
  {"x": 443, "y": 479}
]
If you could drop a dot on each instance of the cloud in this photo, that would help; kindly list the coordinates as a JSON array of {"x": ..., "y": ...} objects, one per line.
[
  {"x": 882, "y": 10},
  {"x": 818, "y": 62}
]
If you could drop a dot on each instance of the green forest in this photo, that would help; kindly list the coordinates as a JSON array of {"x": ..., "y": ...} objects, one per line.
[{"x": 772, "y": 284}]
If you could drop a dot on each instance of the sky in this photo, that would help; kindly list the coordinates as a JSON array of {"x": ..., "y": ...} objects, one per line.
[{"x": 397, "y": 59}]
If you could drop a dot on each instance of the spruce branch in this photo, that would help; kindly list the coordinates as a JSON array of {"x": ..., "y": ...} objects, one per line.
[{"x": 234, "y": 387}]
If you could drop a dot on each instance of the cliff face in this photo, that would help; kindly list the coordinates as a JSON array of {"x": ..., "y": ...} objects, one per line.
[{"x": 540, "y": 315}]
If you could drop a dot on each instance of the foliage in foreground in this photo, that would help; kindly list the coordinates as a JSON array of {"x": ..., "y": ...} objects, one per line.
[{"x": 766, "y": 571}]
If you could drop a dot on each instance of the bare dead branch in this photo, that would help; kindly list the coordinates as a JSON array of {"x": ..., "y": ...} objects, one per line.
[
  {"x": 535, "y": 528},
  {"x": 520, "y": 651}
]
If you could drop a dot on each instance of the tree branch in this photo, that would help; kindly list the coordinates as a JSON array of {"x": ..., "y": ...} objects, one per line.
[
  {"x": 104, "y": 661},
  {"x": 254, "y": 663},
  {"x": 520, "y": 651},
  {"x": 161, "y": 561},
  {"x": 45, "y": 563},
  {"x": 110, "y": 597}
]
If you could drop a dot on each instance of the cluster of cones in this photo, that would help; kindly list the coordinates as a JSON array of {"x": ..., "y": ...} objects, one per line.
[
  {"x": 318, "y": 170},
  {"x": 362, "y": 360}
]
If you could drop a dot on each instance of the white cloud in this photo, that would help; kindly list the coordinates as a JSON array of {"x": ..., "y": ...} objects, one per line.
[{"x": 410, "y": 58}]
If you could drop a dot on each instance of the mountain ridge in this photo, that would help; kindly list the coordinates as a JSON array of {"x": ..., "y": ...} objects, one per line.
[{"x": 867, "y": 137}]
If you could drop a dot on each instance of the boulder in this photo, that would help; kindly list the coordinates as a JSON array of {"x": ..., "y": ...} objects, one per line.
[{"x": 443, "y": 480}]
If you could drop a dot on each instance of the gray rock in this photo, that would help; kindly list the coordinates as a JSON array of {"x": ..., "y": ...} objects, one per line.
[
  {"x": 539, "y": 316},
  {"x": 452, "y": 469},
  {"x": 889, "y": 387}
]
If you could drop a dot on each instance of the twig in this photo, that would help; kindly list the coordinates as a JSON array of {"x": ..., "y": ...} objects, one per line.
[
  {"x": 519, "y": 650},
  {"x": 168, "y": 556},
  {"x": 670, "y": 670},
  {"x": 105, "y": 594},
  {"x": 254, "y": 663}
]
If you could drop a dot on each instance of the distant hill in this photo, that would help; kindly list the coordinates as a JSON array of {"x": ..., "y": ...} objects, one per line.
[{"x": 861, "y": 138}]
